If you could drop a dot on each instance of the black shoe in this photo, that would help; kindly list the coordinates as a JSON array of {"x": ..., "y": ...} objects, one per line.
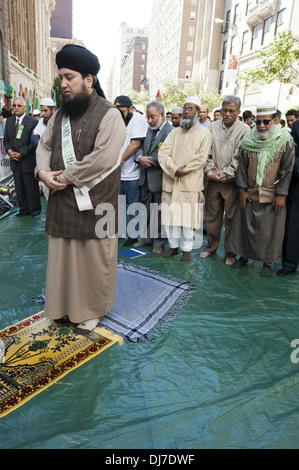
[
  {"x": 130, "y": 241},
  {"x": 267, "y": 270},
  {"x": 239, "y": 263},
  {"x": 284, "y": 272}
]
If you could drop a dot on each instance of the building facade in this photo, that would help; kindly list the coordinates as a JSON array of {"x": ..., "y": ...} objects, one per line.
[
  {"x": 62, "y": 20},
  {"x": 31, "y": 58},
  {"x": 4, "y": 42},
  {"x": 248, "y": 26},
  {"x": 134, "y": 66},
  {"x": 126, "y": 35},
  {"x": 172, "y": 42}
]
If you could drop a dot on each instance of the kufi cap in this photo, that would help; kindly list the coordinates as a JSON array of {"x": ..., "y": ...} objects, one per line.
[
  {"x": 177, "y": 110},
  {"x": 266, "y": 109},
  {"x": 192, "y": 99},
  {"x": 36, "y": 112},
  {"x": 124, "y": 101},
  {"x": 47, "y": 102},
  {"x": 139, "y": 108}
]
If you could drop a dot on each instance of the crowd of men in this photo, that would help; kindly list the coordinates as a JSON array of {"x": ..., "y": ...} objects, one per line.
[{"x": 90, "y": 152}]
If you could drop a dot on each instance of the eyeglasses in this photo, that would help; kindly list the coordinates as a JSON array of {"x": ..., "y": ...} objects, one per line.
[
  {"x": 264, "y": 121},
  {"x": 17, "y": 106}
]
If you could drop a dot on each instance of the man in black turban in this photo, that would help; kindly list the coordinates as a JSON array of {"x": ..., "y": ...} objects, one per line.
[
  {"x": 78, "y": 159},
  {"x": 81, "y": 60}
]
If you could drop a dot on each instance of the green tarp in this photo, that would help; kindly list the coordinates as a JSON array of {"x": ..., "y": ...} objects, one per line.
[{"x": 220, "y": 377}]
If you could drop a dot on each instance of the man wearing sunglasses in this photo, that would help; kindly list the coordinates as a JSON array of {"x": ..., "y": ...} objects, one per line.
[
  {"x": 21, "y": 150},
  {"x": 263, "y": 178}
]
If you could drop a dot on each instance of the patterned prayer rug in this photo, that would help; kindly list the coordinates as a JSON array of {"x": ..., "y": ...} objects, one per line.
[
  {"x": 37, "y": 352},
  {"x": 146, "y": 301}
]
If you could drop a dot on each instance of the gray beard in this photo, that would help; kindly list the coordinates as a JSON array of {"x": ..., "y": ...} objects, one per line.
[
  {"x": 188, "y": 123},
  {"x": 264, "y": 135}
]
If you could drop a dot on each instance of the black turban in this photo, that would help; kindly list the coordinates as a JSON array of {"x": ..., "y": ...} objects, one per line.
[{"x": 80, "y": 60}]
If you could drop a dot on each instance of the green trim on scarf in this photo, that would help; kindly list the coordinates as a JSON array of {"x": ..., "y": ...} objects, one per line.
[{"x": 266, "y": 150}]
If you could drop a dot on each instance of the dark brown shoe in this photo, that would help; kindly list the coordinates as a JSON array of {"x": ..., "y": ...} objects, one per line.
[
  {"x": 186, "y": 257},
  {"x": 170, "y": 252}
]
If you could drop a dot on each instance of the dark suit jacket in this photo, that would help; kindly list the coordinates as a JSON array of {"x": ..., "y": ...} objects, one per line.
[
  {"x": 154, "y": 173},
  {"x": 294, "y": 186},
  {"x": 24, "y": 145}
]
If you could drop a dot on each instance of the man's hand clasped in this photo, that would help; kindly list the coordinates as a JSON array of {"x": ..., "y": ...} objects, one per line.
[
  {"x": 182, "y": 172},
  {"x": 217, "y": 175},
  {"x": 146, "y": 162},
  {"x": 54, "y": 180}
]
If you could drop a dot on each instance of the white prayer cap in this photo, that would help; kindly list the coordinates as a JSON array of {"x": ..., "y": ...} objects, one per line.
[
  {"x": 36, "y": 112},
  {"x": 177, "y": 110},
  {"x": 139, "y": 108},
  {"x": 47, "y": 102},
  {"x": 266, "y": 109},
  {"x": 192, "y": 99}
]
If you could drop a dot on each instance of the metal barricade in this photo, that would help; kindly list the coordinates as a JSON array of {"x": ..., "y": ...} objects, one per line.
[{"x": 5, "y": 171}]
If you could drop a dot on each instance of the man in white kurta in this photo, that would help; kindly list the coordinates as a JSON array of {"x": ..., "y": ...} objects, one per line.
[{"x": 183, "y": 157}]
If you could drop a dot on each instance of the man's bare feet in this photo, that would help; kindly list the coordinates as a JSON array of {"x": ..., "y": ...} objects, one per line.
[
  {"x": 230, "y": 261},
  {"x": 204, "y": 254}
]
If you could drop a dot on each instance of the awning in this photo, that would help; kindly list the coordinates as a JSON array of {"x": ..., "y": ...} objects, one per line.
[{"x": 6, "y": 89}]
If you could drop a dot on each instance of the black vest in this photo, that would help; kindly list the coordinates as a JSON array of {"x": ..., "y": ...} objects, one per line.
[{"x": 63, "y": 216}]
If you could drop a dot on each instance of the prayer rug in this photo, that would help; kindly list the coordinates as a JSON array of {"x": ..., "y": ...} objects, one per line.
[
  {"x": 146, "y": 301},
  {"x": 37, "y": 352}
]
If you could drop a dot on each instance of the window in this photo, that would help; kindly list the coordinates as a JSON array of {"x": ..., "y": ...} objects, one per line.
[
  {"x": 187, "y": 74},
  {"x": 192, "y": 15},
  {"x": 280, "y": 21},
  {"x": 227, "y": 21},
  {"x": 245, "y": 42},
  {"x": 224, "y": 48},
  {"x": 189, "y": 60},
  {"x": 142, "y": 57},
  {"x": 236, "y": 13},
  {"x": 255, "y": 35},
  {"x": 267, "y": 28},
  {"x": 191, "y": 31},
  {"x": 190, "y": 46},
  {"x": 193, "y": 3},
  {"x": 248, "y": 6},
  {"x": 234, "y": 45},
  {"x": 221, "y": 81}
]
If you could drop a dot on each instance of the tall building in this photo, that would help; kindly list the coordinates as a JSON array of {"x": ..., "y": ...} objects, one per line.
[
  {"x": 172, "y": 42},
  {"x": 134, "y": 66},
  {"x": 30, "y": 46},
  {"x": 62, "y": 20},
  {"x": 207, "y": 44},
  {"x": 4, "y": 42},
  {"x": 126, "y": 35},
  {"x": 247, "y": 26}
]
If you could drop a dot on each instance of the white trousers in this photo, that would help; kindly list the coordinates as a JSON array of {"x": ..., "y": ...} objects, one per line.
[{"x": 180, "y": 237}]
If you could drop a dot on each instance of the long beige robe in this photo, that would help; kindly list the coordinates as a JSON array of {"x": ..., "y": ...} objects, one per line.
[
  {"x": 181, "y": 196},
  {"x": 81, "y": 274}
]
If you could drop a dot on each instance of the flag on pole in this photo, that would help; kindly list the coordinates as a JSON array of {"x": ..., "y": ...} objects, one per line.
[
  {"x": 28, "y": 110},
  {"x": 159, "y": 96},
  {"x": 55, "y": 100},
  {"x": 23, "y": 95}
]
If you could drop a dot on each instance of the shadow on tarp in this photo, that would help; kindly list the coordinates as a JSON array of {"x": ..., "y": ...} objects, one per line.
[{"x": 220, "y": 377}]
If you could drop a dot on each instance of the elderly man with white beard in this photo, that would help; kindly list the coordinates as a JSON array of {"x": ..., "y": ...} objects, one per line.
[
  {"x": 263, "y": 178},
  {"x": 182, "y": 158}
]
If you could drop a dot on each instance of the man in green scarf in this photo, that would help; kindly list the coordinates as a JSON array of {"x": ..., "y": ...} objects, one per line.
[{"x": 263, "y": 177}]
